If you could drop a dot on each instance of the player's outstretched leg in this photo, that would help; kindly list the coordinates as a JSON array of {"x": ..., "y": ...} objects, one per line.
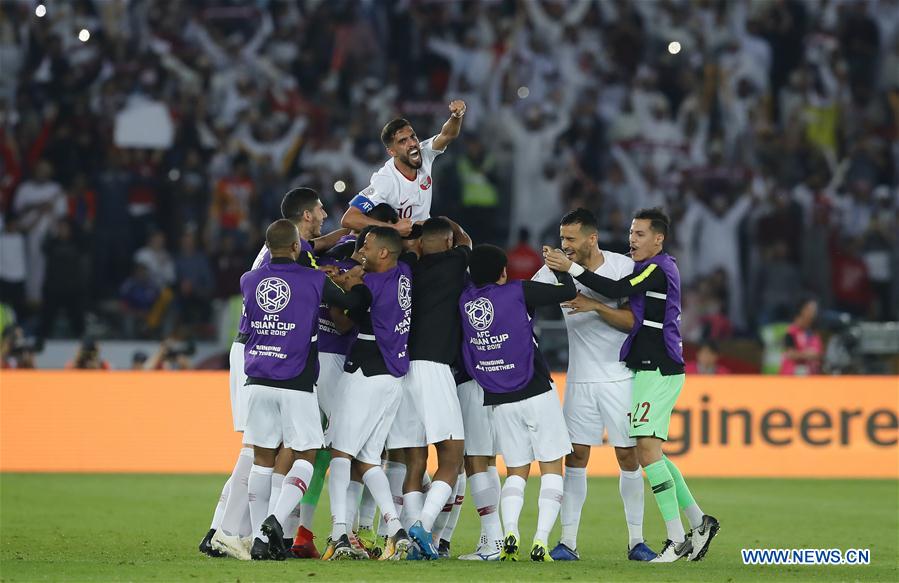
[{"x": 704, "y": 527}]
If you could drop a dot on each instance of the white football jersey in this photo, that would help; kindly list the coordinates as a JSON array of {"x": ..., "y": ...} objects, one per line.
[
  {"x": 410, "y": 198},
  {"x": 594, "y": 345}
]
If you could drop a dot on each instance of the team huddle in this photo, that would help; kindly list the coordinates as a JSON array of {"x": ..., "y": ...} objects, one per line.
[{"x": 360, "y": 348}]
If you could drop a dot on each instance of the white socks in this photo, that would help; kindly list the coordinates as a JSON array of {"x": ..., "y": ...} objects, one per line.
[
  {"x": 220, "y": 507},
  {"x": 449, "y": 517},
  {"x": 675, "y": 530},
  {"x": 630, "y": 485},
  {"x": 338, "y": 483},
  {"x": 486, "y": 499},
  {"x": 353, "y": 493},
  {"x": 548, "y": 505},
  {"x": 694, "y": 514},
  {"x": 259, "y": 491},
  {"x": 294, "y": 486},
  {"x": 307, "y": 516},
  {"x": 396, "y": 474},
  {"x": 438, "y": 495},
  {"x": 412, "y": 505},
  {"x": 512, "y": 501},
  {"x": 277, "y": 482},
  {"x": 236, "y": 508},
  {"x": 377, "y": 482},
  {"x": 367, "y": 509},
  {"x": 575, "y": 482}
]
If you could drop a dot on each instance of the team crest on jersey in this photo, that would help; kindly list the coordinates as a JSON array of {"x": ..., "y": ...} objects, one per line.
[
  {"x": 480, "y": 313},
  {"x": 404, "y": 293},
  {"x": 272, "y": 294},
  {"x": 425, "y": 184}
]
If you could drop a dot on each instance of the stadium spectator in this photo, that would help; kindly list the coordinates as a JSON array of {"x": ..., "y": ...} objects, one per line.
[
  {"x": 523, "y": 259},
  {"x": 140, "y": 297},
  {"x": 37, "y": 204},
  {"x": 803, "y": 349},
  {"x": 706, "y": 360},
  {"x": 195, "y": 282},
  {"x": 13, "y": 265},
  {"x": 66, "y": 283}
]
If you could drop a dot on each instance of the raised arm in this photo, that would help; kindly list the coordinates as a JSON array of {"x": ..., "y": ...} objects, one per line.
[{"x": 452, "y": 127}]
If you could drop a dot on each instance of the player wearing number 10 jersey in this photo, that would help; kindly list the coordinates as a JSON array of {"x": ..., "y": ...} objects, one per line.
[{"x": 404, "y": 182}]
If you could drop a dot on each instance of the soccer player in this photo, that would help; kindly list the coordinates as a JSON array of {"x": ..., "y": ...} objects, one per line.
[
  {"x": 304, "y": 209},
  {"x": 336, "y": 334},
  {"x": 372, "y": 382},
  {"x": 598, "y": 391},
  {"x": 429, "y": 388},
  {"x": 280, "y": 304},
  {"x": 654, "y": 350},
  {"x": 501, "y": 353},
  {"x": 480, "y": 465},
  {"x": 405, "y": 180}
]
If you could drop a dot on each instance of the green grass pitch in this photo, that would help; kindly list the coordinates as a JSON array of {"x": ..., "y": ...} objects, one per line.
[{"x": 146, "y": 527}]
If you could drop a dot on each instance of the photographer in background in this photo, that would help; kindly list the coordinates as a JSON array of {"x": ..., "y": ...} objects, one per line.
[
  {"x": 17, "y": 350},
  {"x": 88, "y": 357},
  {"x": 174, "y": 354}
]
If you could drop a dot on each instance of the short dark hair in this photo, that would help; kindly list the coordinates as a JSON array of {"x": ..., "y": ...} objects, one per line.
[
  {"x": 658, "y": 220},
  {"x": 297, "y": 201},
  {"x": 389, "y": 238},
  {"x": 385, "y": 213},
  {"x": 360, "y": 238},
  {"x": 281, "y": 234},
  {"x": 583, "y": 217},
  {"x": 436, "y": 227},
  {"x": 710, "y": 344},
  {"x": 486, "y": 264},
  {"x": 392, "y": 127}
]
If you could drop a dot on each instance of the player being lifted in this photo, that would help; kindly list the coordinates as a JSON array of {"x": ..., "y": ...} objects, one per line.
[
  {"x": 654, "y": 350},
  {"x": 598, "y": 391},
  {"x": 405, "y": 180}
]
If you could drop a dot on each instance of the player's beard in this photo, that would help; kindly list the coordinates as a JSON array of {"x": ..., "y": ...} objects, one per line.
[{"x": 408, "y": 161}]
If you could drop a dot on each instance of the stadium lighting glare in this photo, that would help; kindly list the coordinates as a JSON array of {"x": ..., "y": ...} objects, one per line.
[
  {"x": 84, "y": 35},
  {"x": 40, "y": 11},
  {"x": 339, "y": 186},
  {"x": 523, "y": 92},
  {"x": 174, "y": 174},
  {"x": 674, "y": 47}
]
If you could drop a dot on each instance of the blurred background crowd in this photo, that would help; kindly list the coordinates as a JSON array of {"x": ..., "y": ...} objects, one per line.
[{"x": 144, "y": 146}]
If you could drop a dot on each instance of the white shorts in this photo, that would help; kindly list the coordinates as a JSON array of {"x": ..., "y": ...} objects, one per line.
[
  {"x": 430, "y": 412},
  {"x": 531, "y": 430},
  {"x": 592, "y": 407},
  {"x": 285, "y": 416},
  {"x": 240, "y": 394},
  {"x": 330, "y": 371},
  {"x": 480, "y": 437},
  {"x": 360, "y": 428}
]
